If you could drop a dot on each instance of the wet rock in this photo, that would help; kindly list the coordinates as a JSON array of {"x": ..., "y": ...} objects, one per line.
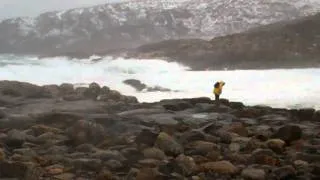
[
  {"x": 26, "y": 171},
  {"x": 237, "y": 158},
  {"x": 114, "y": 95},
  {"x": 65, "y": 176},
  {"x": 277, "y": 145},
  {"x": 215, "y": 108},
  {"x": 130, "y": 99},
  {"x": 249, "y": 121},
  {"x": 25, "y": 152},
  {"x": 113, "y": 164},
  {"x": 288, "y": 133},
  {"x": 274, "y": 119},
  {"x": 93, "y": 91},
  {"x": 86, "y": 148},
  {"x": 300, "y": 164},
  {"x": 87, "y": 164},
  {"x": 66, "y": 88},
  {"x": 146, "y": 137},
  {"x": 263, "y": 132},
  {"x": 138, "y": 85},
  {"x": 305, "y": 114},
  {"x": 236, "y": 105},
  {"x": 211, "y": 128},
  {"x": 142, "y": 111},
  {"x": 2, "y": 155},
  {"x": 57, "y": 150},
  {"x": 16, "y": 121},
  {"x": 73, "y": 97},
  {"x": 253, "y": 144},
  {"x": 52, "y": 89},
  {"x": 106, "y": 155},
  {"x": 41, "y": 129},
  {"x": 248, "y": 112},
  {"x": 168, "y": 144},
  {"x": 22, "y": 89},
  {"x": 187, "y": 164},
  {"x": 285, "y": 172},
  {"x": 104, "y": 90},
  {"x": 253, "y": 174},
  {"x": 200, "y": 148},
  {"x": 45, "y": 137},
  {"x": 16, "y": 138},
  {"x": 310, "y": 158},
  {"x": 234, "y": 147},
  {"x": 161, "y": 119},
  {"x": 193, "y": 135},
  {"x": 104, "y": 174},
  {"x": 177, "y": 106},
  {"x": 148, "y": 174},
  {"x": 85, "y": 131},
  {"x": 213, "y": 155},
  {"x": 154, "y": 153},
  {"x": 225, "y": 137},
  {"x": 132, "y": 173},
  {"x": 54, "y": 170},
  {"x": 151, "y": 163},
  {"x": 316, "y": 116},
  {"x": 315, "y": 169},
  {"x": 199, "y": 100},
  {"x": 239, "y": 129},
  {"x": 3, "y": 114},
  {"x": 205, "y": 107},
  {"x": 221, "y": 167},
  {"x": 131, "y": 154},
  {"x": 264, "y": 156}
]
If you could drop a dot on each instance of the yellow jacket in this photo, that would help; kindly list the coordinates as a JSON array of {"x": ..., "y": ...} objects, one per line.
[{"x": 218, "y": 90}]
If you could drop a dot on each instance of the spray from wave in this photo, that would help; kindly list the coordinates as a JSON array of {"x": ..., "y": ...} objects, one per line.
[{"x": 278, "y": 88}]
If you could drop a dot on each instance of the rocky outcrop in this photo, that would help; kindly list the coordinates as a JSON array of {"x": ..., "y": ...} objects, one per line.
[
  {"x": 138, "y": 141},
  {"x": 280, "y": 45},
  {"x": 111, "y": 28},
  {"x": 139, "y": 86}
]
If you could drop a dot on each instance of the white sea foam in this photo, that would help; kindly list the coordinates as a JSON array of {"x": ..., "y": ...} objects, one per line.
[{"x": 277, "y": 88}]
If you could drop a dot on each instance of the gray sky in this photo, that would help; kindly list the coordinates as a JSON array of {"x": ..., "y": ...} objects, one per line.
[{"x": 14, "y": 8}]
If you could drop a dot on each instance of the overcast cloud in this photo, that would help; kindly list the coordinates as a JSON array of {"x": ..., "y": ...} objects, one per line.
[{"x": 15, "y": 8}]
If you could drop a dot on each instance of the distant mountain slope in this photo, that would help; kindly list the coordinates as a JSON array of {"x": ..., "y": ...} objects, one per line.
[
  {"x": 109, "y": 27},
  {"x": 280, "y": 45}
]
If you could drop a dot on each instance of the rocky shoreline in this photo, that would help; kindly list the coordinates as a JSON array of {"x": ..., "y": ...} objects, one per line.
[{"x": 61, "y": 132}]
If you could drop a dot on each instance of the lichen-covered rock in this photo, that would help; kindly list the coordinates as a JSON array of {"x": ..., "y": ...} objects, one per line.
[
  {"x": 187, "y": 164},
  {"x": 277, "y": 145},
  {"x": 168, "y": 144}
]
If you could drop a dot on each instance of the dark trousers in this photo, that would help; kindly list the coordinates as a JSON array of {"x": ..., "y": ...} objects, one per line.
[
  {"x": 216, "y": 97},
  {"x": 217, "y": 102}
]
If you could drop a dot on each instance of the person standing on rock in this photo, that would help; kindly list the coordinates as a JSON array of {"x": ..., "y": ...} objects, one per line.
[{"x": 218, "y": 89}]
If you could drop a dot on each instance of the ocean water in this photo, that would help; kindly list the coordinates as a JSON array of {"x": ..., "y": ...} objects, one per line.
[{"x": 294, "y": 88}]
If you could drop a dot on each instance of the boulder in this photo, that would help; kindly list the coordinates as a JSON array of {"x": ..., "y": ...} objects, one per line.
[
  {"x": 168, "y": 144},
  {"x": 23, "y": 89},
  {"x": 288, "y": 133},
  {"x": 220, "y": 167},
  {"x": 253, "y": 174},
  {"x": 86, "y": 131},
  {"x": 93, "y": 91},
  {"x": 66, "y": 88}
]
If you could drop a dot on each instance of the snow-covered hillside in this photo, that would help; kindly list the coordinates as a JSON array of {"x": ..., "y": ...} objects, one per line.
[{"x": 132, "y": 23}]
